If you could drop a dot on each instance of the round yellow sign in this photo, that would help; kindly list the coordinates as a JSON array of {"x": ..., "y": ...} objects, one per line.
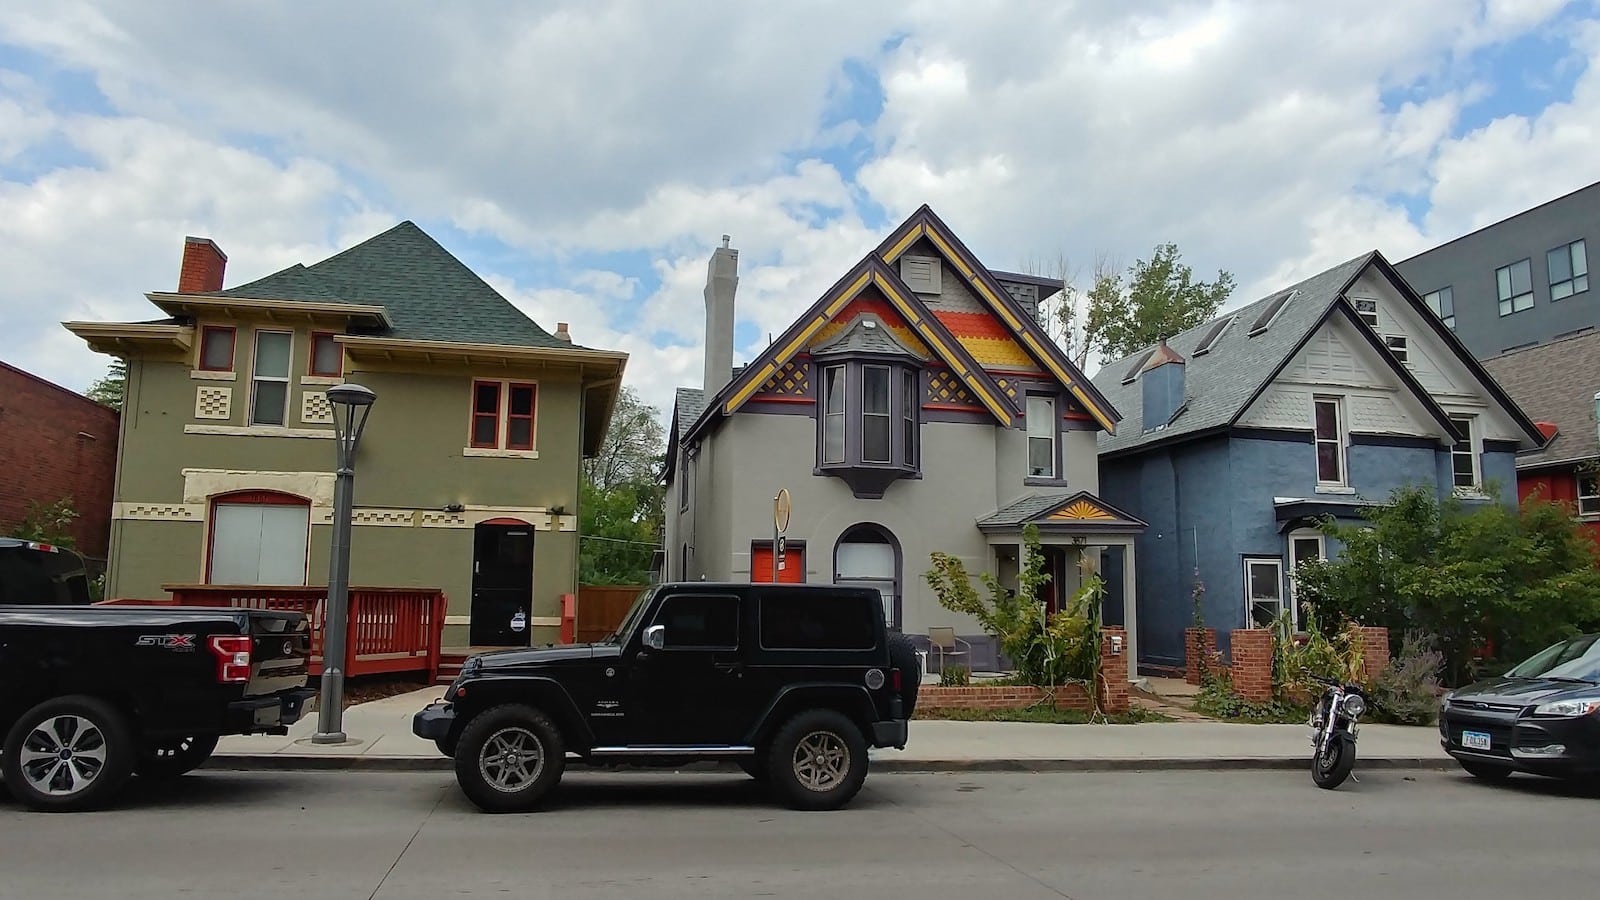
[{"x": 780, "y": 510}]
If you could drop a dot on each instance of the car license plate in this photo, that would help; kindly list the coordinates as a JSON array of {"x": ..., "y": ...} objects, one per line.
[{"x": 1475, "y": 740}]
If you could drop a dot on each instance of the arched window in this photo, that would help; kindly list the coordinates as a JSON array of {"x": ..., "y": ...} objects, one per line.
[
  {"x": 258, "y": 537},
  {"x": 868, "y": 556}
]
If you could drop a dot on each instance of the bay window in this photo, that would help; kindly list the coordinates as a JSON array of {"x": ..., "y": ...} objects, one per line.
[{"x": 861, "y": 400}]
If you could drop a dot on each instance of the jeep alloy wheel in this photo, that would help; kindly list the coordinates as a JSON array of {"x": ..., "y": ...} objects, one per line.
[
  {"x": 818, "y": 760},
  {"x": 509, "y": 758}
]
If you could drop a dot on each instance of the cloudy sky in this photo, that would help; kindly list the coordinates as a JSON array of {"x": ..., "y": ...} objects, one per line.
[{"x": 585, "y": 157}]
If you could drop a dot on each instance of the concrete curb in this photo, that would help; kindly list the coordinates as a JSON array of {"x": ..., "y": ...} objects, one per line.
[{"x": 285, "y": 762}]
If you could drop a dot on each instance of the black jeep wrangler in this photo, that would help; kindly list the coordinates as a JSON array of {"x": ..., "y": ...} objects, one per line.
[{"x": 792, "y": 682}]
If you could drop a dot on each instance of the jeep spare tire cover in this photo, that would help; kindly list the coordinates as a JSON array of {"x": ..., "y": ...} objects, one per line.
[{"x": 903, "y": 656}]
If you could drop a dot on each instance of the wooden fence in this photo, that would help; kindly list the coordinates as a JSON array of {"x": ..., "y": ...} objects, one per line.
[
  {"x": 601, "y": 608},
  {"x": 391, "y": 629}
]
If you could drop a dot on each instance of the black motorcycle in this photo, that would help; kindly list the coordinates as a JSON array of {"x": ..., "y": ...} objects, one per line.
[{"x": 1333, "y": 731}]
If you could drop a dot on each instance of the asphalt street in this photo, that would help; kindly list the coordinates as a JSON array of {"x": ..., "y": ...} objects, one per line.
[{"x": 1087, "y": 836}]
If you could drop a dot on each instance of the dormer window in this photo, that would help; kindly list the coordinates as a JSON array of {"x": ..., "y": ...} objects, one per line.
[{"x": 870, "y": 393}]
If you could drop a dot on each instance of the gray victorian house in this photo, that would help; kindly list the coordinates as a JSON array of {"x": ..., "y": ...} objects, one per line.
[{"x": 916, "y": 407}]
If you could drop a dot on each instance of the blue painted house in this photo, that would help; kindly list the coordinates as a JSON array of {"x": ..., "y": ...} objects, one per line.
[{"x": 1239, "y": 435}]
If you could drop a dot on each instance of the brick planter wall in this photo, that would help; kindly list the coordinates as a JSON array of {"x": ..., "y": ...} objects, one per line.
[
  {"x": 1068, "y": 696},
  {"x": 1252, "y": 664},
  {"x": 1374, "y": 651},
  {"x": 1113, "y": 685},
  {"x": 1193, "y": 653}
]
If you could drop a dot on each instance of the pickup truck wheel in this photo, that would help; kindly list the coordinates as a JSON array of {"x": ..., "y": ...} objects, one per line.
[
  {"x": 818, "y": 760},
  {"x": 68, "y": 754},
  {"x": 173, "y": 757},
  {"x": 509, "y": 758}
]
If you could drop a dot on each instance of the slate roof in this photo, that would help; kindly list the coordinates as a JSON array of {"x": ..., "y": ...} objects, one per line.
[
  {"x": 1022, "y": 511},
  {"x": 1555, "y": 382},
  {"x": 428, "y": 293},
  {"x": 1220, "y": 383},
  {"x": 859, "y": 338},
  {"x": 690, "y": 403}
]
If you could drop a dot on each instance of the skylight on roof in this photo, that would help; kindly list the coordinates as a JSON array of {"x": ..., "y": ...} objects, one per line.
[
  {"x": 1211, "y": 336},
  {"x": 1138, "y": 363},
  {"x": 1270, "y": 314}
]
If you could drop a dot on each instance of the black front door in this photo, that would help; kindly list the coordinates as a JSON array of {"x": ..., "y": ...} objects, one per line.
[{"x": 502, "y": 585}]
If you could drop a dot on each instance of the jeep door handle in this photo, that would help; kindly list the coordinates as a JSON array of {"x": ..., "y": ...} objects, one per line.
[{"x": 734, "y": 669}]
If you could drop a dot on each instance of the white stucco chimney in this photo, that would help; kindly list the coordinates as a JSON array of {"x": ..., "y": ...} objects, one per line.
[{"x": 722, "y": 278}]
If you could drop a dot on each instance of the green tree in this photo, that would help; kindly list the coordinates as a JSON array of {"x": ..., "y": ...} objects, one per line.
[
  {"x": 112, "y": 388},
  {"x": 621, "y": 509},
  {"x": 1160, "y": 298},
  {"x": 48, "y": 523},
  {"x": 1470, "y": 576}
]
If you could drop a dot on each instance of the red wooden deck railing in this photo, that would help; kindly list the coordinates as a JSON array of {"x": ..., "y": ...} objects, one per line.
[{"x": 391, "y": 629}]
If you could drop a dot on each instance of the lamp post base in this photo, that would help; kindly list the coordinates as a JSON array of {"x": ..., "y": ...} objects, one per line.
[{"x": 330, "y": 737}]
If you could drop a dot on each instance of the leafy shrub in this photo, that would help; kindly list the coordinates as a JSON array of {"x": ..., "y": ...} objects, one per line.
[
  {"x": 1521, "y": 579},
  {"x": 1407, "y": 691},
  {"x": 1294, "y": 661},
  {"x": 955, "y": 676},
  {"x": 1047, "y": 649},
  {"x": 1218, "y": 700}
]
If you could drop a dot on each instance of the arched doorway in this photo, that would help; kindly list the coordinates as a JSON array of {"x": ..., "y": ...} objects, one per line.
[
  {"x": 868, "y": 555},
  {"x": 258, "y": 537},
  {"x": 502, "y": 583}
]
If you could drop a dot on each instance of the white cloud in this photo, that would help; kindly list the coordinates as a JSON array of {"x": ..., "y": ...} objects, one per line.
[{"x": 1256, "y": 136}]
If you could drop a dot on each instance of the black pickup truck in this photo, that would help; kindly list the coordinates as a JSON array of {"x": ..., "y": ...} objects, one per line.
[{"x": 91, "y": 694}]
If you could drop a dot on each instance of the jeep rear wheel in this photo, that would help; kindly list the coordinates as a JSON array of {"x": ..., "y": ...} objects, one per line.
[
  {"x": 903, "y": 656},
  {"x": 818, "y": 760},
  {"x": 509, "y": 758}
]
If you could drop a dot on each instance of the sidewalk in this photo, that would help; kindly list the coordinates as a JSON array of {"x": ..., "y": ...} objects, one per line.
[{"x": 382, "y": 740}]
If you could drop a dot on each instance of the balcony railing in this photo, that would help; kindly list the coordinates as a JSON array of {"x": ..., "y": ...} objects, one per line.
[{"x": 391, "y": 629}]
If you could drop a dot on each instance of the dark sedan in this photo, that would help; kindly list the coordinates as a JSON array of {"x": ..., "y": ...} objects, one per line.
[{"x": 1542, "y": 717}]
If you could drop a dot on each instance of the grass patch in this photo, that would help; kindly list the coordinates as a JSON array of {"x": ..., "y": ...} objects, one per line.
[{"x": 1044, "y": 715}]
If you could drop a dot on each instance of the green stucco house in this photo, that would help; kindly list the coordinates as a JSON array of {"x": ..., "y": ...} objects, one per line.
[{"x": 467, "y": 476}]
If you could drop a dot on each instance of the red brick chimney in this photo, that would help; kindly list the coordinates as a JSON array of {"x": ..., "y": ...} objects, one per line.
[{"x": 203, "y": 262}]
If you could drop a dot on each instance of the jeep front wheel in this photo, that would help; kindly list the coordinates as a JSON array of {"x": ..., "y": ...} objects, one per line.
[
  {"x": 818, "y": 760},
  {"x": 509, "y": 758}
]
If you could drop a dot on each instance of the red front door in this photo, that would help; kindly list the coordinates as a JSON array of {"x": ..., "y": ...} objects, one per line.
[{"x": 794, "y": 564}]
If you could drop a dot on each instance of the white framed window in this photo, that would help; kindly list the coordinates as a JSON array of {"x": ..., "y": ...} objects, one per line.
[
  {"x": 1464, "y": 454},
  {"x": 1443, "y": 304},
  {"x": 269, "y": 378},
  {"x": 865, "y": 557},
  {"x": 875, "y": 420},
  {"x": 1263, "y": 590},
  {"x": 1367, "y": 309},
  {"x": 1042, "y": 432},
  {"x": 1588, "y": 495},
  {"x": 1328, "y": 425},
  {"x": 833, "y": 414},
  {"x": 1400, "y": 346},
  {"x": 1305, "y": 545},
  {"x": 258, "y": 543},
  {"x": 1569, "y": 270},
  {"x": 1515, "y": 286}
]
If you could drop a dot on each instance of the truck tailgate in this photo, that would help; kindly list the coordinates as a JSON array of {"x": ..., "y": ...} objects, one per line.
[{"x": 280, "y": 652}]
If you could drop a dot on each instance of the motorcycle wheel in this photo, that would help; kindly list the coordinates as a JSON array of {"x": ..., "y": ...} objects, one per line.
[{"x": 1332, "y": 768}]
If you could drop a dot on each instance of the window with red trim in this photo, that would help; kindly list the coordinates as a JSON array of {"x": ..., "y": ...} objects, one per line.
[
  {"x": 486, "y": 414},
  {"x": 216, "y": 348},
  {"x": 519, "y": 417},
  {"x": 327, "y": 357}
]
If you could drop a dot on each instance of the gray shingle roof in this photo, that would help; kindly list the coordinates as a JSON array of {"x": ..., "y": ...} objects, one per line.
[
  {"x": 1020, "y": 512},
  {"x": 1555, "y": 382},
  {"x": 1220, "y": 383},
  {"x": 859, "y": 338},
  {"x": 691, "y": 402},
  {"x": 428, "y": 293}
]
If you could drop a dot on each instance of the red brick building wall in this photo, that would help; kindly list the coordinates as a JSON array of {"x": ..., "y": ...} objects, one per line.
[
  {"x": 55, "y": 443},
  {"x": 1558, "y": 486}
]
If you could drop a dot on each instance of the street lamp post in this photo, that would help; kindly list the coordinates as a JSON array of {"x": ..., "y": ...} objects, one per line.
[{"x": 351, "y": 404}]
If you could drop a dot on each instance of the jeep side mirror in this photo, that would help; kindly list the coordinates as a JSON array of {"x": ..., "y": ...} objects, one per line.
[{"x": 655, "y": 637}]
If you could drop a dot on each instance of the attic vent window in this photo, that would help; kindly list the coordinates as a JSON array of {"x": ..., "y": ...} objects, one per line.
[
  {"x": 921, "y": 273},
  {"x": 1367, "y": 309},
  {"x": 1211, "y": 335},
  {"x": 1270, "y": 314},
  {"x": 1138, "y": 363}
]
